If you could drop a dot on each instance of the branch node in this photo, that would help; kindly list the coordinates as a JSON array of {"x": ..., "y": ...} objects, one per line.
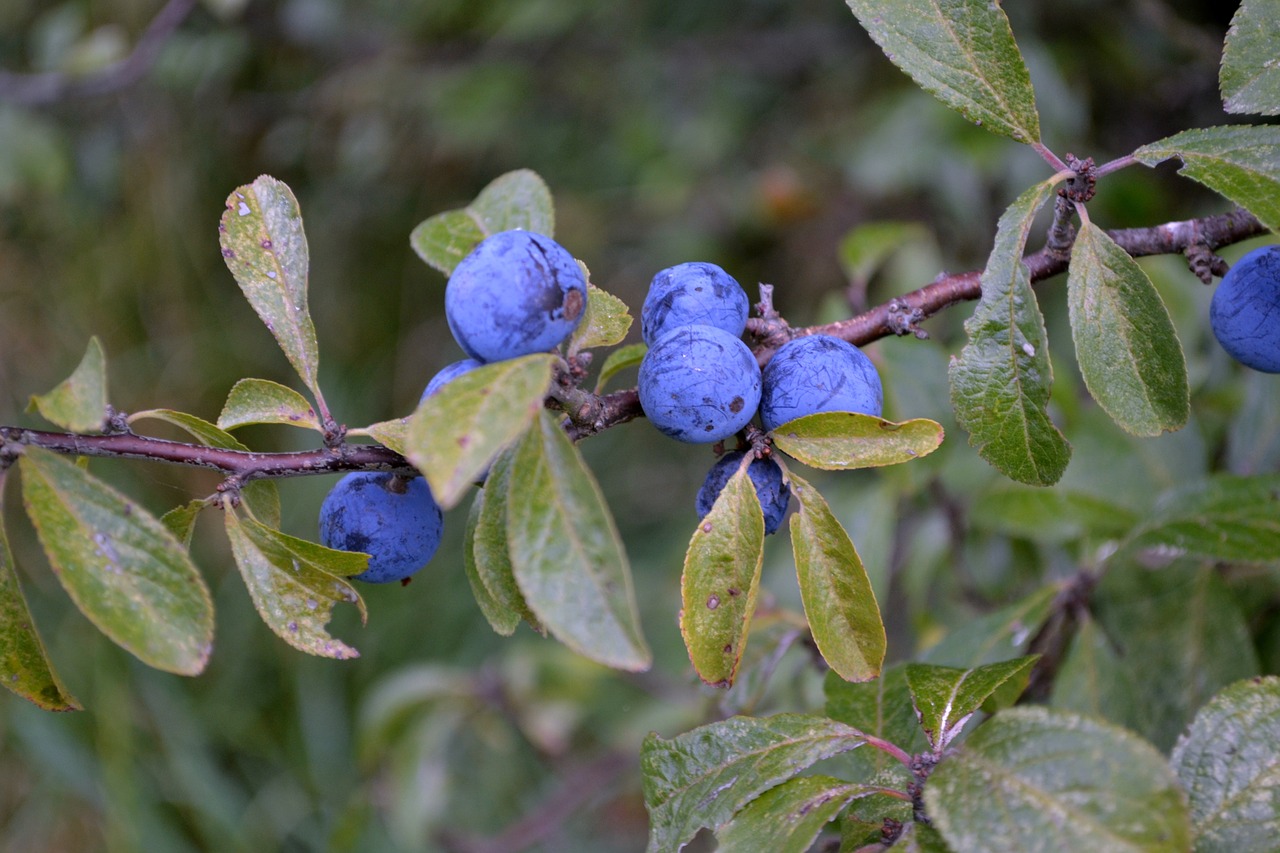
[
  {"x": 1062, "y": 234},
  {"x": 116, "y": 423},
  {"x": 1082, "y": 187},
  {"x": 1203, "y": 262},
  {"x": 905, "y": 320}
]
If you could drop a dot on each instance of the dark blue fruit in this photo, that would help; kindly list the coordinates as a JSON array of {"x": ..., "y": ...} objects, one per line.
[
  {"x": 699, "y": 384},
  {"x": 693, "y": 294},
  {"x": 393, "y": 520},
  {"x": 818, "y": 373},
  {"x": 766, "y": 476},
  {"x": 516, "y": 293},
  {"x": 447, "y": 374},
  {"x": 1245, "y": 311}
]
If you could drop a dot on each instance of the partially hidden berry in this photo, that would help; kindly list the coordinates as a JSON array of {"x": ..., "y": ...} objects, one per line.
[
  {"x": 516, "y": 293},
  {"x": 692, "y": 294},
  {"x": 1245, "y": 310},
  {"x": 393, "y": 519},
  {"x": 699, "y": 384},
  {"x": 447, "y": 374},
  {"x": 818, "y": 373},
  {"x": 765, "y": 474}
]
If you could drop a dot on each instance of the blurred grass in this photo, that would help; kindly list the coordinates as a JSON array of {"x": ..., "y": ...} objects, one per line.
[{"x": 753, "y": 134}]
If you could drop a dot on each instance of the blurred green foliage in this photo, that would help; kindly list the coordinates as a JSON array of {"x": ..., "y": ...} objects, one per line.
[{"x": 754, "y": 135}]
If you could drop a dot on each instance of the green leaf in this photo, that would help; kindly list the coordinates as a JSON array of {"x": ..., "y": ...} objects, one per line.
[
  {"x": 945, "y": 698},
  {"x": 721, "y": 579},
  {"x": 122, "y": 568},
  {"x": 1128, "y": 350},
  {"x": 1048, "y": 515},
  {"x": 455, "y": 434},
  {"x": 921, "y": 838},
  {"x": 565, "y": 551},
  {"x": 266, "y": 250},
  {"x": 1240, "y": 162},
  {"x": 1000, "y": 383},
  {"x": 261, "y": 401},
  {"x": 838, "y": 600},
  {"x": 392, "y": 434},
  {"x": 867, "y": 247},
  {"x": 24, "y": 664},
  {"x": 618, "y": 360},
  {"x": 881, "y": 708},
  {"x": 996, "y": 636},
  {"x": 1093, "y": 680},
  {"x": 518, "y": 199},
  {"x": 489, "y": 545},
  {"x": 963, "y": 53},
  {"x": 1036, "y": 780},
  {"x": 295, "y": 584},
  {"x": 703, "y": 777},
  {"x": 1229, "y": 763},
  {"x": 1250, "y": 76},
  {"x": 1234, "y": 519},
  {"x": 261, "y": 496},
  {"x": 181, "y": 521},
  {"x": 788, "y": 818},
  {"x": 605, "y": 322},
  {"x": 79, "y": 403},
  {"x": 501, "y": 618},
  {"x": 1183, "y": 637},
  {"x": 842, "y": 441}
]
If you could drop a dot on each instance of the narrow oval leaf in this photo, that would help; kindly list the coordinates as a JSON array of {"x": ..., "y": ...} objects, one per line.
[
  {"x": 566, "y": 553},
  {"x": 79, "y": 403},
  {"x": 721, "y": 579},
  {"x": 295, "y": 584},
  {"x": 266, "y": 250},
  {"x": 1036, "y": 780},
  {"x": 24, "y": 664},
  {"x": 841, "y": 441},
  {"x": 945, "y": 698},
  {"x": 619, "y": 360},
  {"x": 181, "y": 521},
  {"x": 703, "y": 777},
  {"x": 1233, "y": 519},
  {"x": 1240, "y": 162},
  {"x": 489, "y": 545},
  {"x": 1049, "y": 515},
  {"x": 455, "y": 434},
  {"x": 1229, "y": 763},
  {"x": 1000, "y": 383},
  {"x": 788, "y": 818},
  {"x": 122, "y": 568},
  {"x": 838, "y": 600},
  {"x": 261, "y": 401},
  {"x": 501, "y": 618},
  {"x": 996, "y": 636},
  {"x": 392, "y": 434},
  {"x": 963, "y": 53},
  {"x": 605, "y": 323},
  {"x": 1250, "y": 75},
  {"x": 881, "y": 708},
  {"x": 518, "y": 199},
  {"x": 262, "y": 496},
  {"x": 1128, "y": 351}
]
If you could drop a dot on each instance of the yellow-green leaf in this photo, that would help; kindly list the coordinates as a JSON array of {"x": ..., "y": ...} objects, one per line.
[
  {"x": 391, "y": 434},
  {"x": 489, "y": 545},
  {"x": 295, "y": 584},
  {"x": 181, "y": 521},
  {"x": 122, "y": 567},
  {"x": 838, "y": 600},
  {"x": 618, "y": 360},
  {"x": 261, "y": 401},
  {"x": 79, "y": 403},
  {"x": 456, "y": 433},
  {"x": 721, "y": 580},
  {"x": 605, "y": 322},
  {"x": 845, "y": 440},
  {"x": 501, "y": 618}
]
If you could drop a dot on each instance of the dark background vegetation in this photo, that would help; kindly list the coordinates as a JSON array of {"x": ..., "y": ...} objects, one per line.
[{"x": 753, "y": 134}]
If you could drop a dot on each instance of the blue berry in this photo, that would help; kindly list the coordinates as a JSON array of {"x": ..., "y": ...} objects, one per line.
[
  {"x": 693, "y": 294},
  {"x": 1245, "y": 311},
  {"x": 766, "y": 475},
  {"x": 447, "y": 374},
  {"x": 516, "y": 293},
  {"x": 395, "y": 521},
  {"x": 699, "y": 384},
  {"x": 818, "y": 373}
]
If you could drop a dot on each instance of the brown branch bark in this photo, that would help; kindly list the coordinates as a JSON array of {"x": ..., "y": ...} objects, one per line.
[{"x": 50, "y": 87}]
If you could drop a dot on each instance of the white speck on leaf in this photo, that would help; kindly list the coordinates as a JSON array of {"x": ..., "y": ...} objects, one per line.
[
  {"x": 1029, "y": 349},
  {"x": 243, "y": 209}
]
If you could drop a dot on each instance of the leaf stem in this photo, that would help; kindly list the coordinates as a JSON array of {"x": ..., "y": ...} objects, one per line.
[
  {"x": 1116, "y": 165},
  {"x": 1049, "y": 157},
  {"x": 888, "y": 748}
]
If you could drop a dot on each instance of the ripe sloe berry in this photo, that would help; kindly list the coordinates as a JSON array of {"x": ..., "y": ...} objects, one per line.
[
  {"x": 693, "y": 294},
  {"x": 447, "y": 374},
  {"x": 395, "y": 521},
  {"x": 766, "y": 476},
  {"x": 1245, "y": 311},
  {"x": 818, "y": 373},
  {"x": 517, "y": 293},
  {"x": 699, "y": 384}
]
